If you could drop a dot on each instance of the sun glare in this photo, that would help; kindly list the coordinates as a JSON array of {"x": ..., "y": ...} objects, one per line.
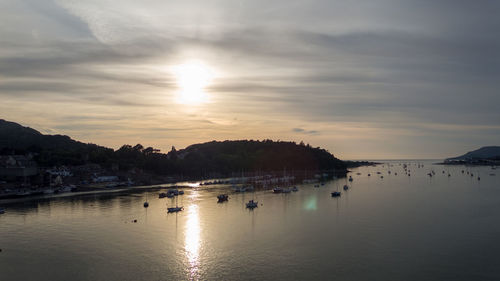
[{"x": 192, "y": 79}]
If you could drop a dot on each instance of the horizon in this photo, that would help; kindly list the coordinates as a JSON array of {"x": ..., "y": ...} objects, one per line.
[{"x": 367, "y": 80}]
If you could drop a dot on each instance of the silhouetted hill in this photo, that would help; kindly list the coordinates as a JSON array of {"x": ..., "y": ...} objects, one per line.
[
  {"x": 206, "y": 159},
  {"x": 486, "y": 152},
  {"x": 49, "y": 149},
  {"x": 15, "y": 136},
  {"x": 250, "y": 155}
]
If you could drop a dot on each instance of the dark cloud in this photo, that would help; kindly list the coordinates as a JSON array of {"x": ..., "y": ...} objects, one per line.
[{"x": 303, "y": 131}]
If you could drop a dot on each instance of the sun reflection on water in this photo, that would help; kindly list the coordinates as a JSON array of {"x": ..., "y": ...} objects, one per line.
[{"x": 193, "y": 241}]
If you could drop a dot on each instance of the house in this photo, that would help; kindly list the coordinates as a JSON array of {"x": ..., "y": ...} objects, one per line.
[{"x": 12, "y": 166}]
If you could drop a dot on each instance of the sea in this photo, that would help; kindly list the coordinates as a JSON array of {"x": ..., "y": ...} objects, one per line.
[{"x": 394, "y": 224}]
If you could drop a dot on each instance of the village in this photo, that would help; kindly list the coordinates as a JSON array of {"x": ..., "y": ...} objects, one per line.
[{"x": 21, "y": 176}]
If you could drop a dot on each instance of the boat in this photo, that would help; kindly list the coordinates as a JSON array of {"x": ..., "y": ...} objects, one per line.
[
  {"x": 369, "y": 175},
  {"x": 295, "y": 189},
  {"x": 252, "y": 204},
  {"x": 2, "y": 210},
  {"x": 174, "y": 209},
  {"x": 335, "y": 194},
  {"x": 181, "y": 192},
  {"x": 146, "y": 204},
  {"x": 316, "y": 185},
  {"x": 173, "y": 191},
  {"x": 170, "y": 195},
  {"x": 162, "y": 195},
  {"x": 240, "y": 189},
  {"x": 277, "y": 190},
  {"x": 222, "y": 197},
  {"x": 346, "y": 187},
  {"x": 286, "y": 190},
  {"x": 350, "y": 178}
]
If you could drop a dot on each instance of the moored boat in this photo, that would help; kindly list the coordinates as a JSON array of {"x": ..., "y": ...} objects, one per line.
[
  {"x": 346, "y": 187},
  {"x": 174, "y": 209},
  {"x": 335, "y": 194},
  {"x": 252, "y": 204},
  {"x": 222, "y": 197}
]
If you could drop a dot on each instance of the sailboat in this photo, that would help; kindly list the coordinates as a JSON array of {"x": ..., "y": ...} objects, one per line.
[
  {"x": 176, "y": 208},
  {"x": 252, "y": 204},
  {"x": 146, "y": 204},
  {"x": 222, "y": 197}
]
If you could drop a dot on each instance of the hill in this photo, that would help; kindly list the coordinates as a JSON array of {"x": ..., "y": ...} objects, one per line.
[
  {"x": 49, "y": 149},
  {"x": 488, "y": 155},
  {"x": 486, "y": 152},
  {"x": 250, "y": 155},
  {"x": 207, "y": 159}
]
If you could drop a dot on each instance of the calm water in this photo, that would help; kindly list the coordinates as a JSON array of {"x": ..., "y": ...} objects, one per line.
[{"x": 395, "y": 228}]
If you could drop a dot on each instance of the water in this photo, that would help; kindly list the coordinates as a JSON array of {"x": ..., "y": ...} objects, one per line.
[{"x": 395, "y": 228}]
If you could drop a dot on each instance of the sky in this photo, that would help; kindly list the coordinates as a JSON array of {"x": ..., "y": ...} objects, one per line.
[{"x": 368, "y": 79}]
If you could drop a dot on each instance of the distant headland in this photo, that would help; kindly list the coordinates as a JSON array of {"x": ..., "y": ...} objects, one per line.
[{"x": 487, "y": 155}]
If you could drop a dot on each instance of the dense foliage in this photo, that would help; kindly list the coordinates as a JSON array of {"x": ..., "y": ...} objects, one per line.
[{"x": 222, "y": 158}]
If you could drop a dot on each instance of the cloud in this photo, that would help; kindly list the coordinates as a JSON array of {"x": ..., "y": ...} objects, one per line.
[
  {"x": 303, "y": 131},
  {"x": 393, "y": 66}
]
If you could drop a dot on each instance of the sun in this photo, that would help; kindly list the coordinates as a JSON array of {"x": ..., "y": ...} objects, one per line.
[{"x": 192, "y": 79}]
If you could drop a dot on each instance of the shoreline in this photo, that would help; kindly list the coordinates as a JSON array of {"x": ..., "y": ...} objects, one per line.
[{"x": 23, "y": 194}]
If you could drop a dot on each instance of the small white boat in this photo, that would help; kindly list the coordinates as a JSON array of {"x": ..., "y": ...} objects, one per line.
[{"x": 240, "y": 189}]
